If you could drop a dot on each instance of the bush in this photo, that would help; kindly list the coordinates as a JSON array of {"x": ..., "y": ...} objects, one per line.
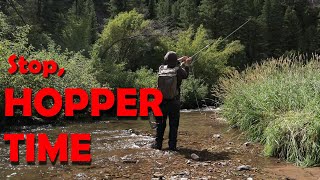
[
  {"x": 15, "y": 41},
  {"x": 145, "y": 78},
  {"x": 212, "y": 62},
  {"x": 120, "y": 49},
  {"x": 277, "y": 103},
  {"x": 191, "y": 90}
]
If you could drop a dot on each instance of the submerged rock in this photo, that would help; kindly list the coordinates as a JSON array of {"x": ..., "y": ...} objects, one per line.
[
  {"x": 13, "y": 174},
  {"x": 195, "y": 157},
  {"x": 130, "y": 161},
  {"x": 183, "y": 173},
  {"x": 217, "y": 136},
  {"x": 246, "y": 144},
  {"x": 158, "y": 175},
  {"x": 244, "y": 168},
  {"x": 222, "y": 163}
]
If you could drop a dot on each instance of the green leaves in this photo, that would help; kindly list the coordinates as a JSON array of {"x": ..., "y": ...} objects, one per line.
[
  {"x": 74, "y": 63},
  {"x": 211, "y": 63},
  {"x": 188, "y": 12},
  {"x": 292, "y": 29},
  {"x": 192, "y": 89},
  {"x": 145, "y": 78},
  {"x": 115, "y": 40},
  {"x": 120, "y": 46},
  {"x": 80, "y": 22}
]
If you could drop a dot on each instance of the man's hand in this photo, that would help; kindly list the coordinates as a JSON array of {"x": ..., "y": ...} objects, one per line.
[
  {"x": 188, "y": 61},
  {"x": 183, "y": 58}
]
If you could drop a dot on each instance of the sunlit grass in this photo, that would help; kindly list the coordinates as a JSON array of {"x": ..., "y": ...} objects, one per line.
[{"x": 277, "y": 103}]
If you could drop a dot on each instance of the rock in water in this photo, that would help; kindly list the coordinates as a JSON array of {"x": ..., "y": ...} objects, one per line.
[
  {"x": 217, "y": 135},
  {"x": 247, "y": 144},
  {"x": 130, "y": 161},
  {"x": 195, "y": 157},
  {"x": 158, "y": 175},
  {"x": 243, "y": 168}
]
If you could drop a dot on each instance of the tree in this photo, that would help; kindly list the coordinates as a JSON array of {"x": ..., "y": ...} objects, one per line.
[
  {"x": 151, "y": 9},
  {"x": 209, "y": 11},
  {"x": 318, "y": 34},
  {"x": 292, "y": 29},
  {"x": 175, "y": 9},
  {"x": 309, "y": 42},
  {"x": 164, "y": 9},
  {"x": 117, "y": 6},
  {"x": 235, "y": 13},
  {"x": 188, "y": 12},
  {"x": 256, "y": 7},
  {"x": 120, "y": 47},
  {"x": 272, "y": 20},
  {"x": 80, "y": 22}
]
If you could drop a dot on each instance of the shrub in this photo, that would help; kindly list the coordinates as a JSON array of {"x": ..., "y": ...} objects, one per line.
[
  {"x": 17, "y": 43},
  {"x": 145, "y": 78},
  {"x": 277, "y": 103},
  {"x": 191, "y": 90},
  {"x": 213, "y": 61},
  {"x": 119, "y": 49}
]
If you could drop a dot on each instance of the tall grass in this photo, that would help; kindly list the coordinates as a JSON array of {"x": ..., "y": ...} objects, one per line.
[{"x": 278, "y": 104}]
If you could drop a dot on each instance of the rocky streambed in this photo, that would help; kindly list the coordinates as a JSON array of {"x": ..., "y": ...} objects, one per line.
[{"x": 121, "y": 149}]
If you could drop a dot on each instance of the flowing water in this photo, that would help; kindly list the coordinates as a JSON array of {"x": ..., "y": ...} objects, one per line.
[{"x": 121, "y": 149}]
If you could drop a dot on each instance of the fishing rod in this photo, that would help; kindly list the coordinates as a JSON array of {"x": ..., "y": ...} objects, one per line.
[
  {"x": 207, "y": 46},
  {"x": 204, "y": 48},
  {"x": 152, "y": 119}
]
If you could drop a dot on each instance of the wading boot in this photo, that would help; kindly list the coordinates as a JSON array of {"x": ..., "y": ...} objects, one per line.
[
  {"x": 156, "y": 146},
  {"x": 173, "y": 148}
]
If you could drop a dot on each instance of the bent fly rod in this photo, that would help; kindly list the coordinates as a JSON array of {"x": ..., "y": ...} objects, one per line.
[{"x": 207, "y": 46}]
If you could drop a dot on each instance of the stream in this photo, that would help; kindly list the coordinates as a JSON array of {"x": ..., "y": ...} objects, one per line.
[{"x": 121, "y": 149}]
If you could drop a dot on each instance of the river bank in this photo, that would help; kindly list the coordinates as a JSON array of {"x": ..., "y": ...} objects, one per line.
[{"x": 121, "y": 150}]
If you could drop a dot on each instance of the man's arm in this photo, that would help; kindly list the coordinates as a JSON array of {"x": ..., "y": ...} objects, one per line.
[{"x": 183, "y": 72}]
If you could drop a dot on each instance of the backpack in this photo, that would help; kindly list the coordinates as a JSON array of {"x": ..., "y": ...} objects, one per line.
[{"x": 167, "y": 82}]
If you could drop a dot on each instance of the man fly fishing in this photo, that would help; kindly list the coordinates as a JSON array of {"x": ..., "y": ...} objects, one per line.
[{"x": 170, "y": 77}]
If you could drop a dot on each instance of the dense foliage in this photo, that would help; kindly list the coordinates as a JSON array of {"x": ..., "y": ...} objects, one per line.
[
  {"x": 18, "y": 44},
  {"x": 119, "y": 37},
  {"x": 276, "y": 26},
  {"x": 121, "y": 43}
]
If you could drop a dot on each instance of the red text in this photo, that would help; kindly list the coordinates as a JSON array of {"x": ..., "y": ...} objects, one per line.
[
  {"x": 80, "y": 148},
  {"x": 123, "y": 101}
]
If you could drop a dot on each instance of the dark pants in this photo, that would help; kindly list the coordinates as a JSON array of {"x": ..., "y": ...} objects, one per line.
[{"x": 171, "y": 109}]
